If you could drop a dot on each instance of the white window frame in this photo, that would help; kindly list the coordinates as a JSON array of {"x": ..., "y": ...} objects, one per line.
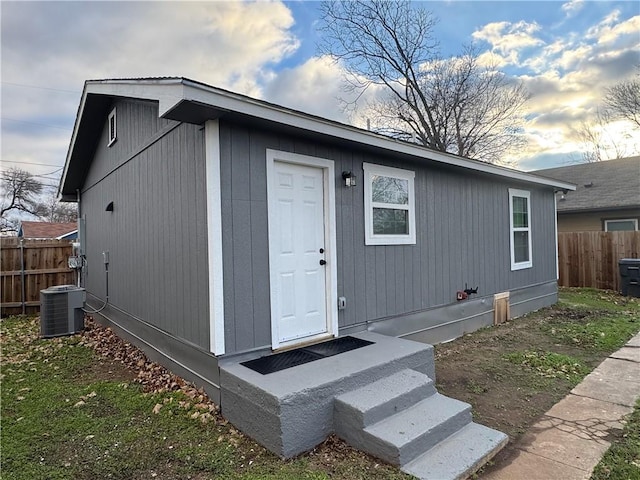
[
  {"x": 632, "y": 220},
  {"x": 112, "y": 139},
  {"x": 523, "y": 194},
  {"x": 370, "y": 238}
]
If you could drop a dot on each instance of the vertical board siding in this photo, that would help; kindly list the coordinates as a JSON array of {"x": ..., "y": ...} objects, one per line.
[
  {"x": 156, "y": 235},
  {"x": 136, "y": 123},
  {"x": 462, "y": 222}
]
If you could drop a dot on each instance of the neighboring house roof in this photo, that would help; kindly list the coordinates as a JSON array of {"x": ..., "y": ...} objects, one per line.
[
  {"x": 612, "y": 184},
  {"x": 188, "y": 101},
  {"x": 47, "y": 230}
]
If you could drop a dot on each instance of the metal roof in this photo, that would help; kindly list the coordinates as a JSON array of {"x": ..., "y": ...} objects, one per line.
[{"x": 195, "y": 102}]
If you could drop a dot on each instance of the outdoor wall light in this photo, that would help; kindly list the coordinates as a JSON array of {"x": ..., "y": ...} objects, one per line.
[
  {"x": 349, "y": 179},
  {"x": 109, "y": 207}
]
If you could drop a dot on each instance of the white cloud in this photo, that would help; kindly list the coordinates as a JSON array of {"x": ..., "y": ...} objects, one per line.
[
  {"x": 507, "y": 38},
  {"x": 58, "y": 45},
  {"x": 572, "y": 7},
  {"x": 312, "y": 87},
  {"x": 231, "y": 44},
  {"x": 610, "y": 30},
  {"x": 242, "y": 46}
]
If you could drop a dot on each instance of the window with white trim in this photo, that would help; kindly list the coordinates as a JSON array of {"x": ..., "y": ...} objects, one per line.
[
  {"x": 520, "y": 228},
  {"x": 113, "y": 130},
  {"x": 621, "y": 225},
  {"x": 389, "y": 206}
]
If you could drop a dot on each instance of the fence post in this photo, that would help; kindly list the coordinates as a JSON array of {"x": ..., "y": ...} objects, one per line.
[{"x": 23, "y": 293}]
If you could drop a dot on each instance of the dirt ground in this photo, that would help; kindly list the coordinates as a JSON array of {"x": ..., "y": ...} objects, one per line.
[
  {"x": 473, "y": 369},
  {"x": 505, "y": 396}
]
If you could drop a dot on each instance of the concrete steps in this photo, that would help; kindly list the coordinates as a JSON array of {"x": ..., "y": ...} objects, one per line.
[
  {"x": 380, "y": 398},
  {"x": 291, "y": 411},
  {"x": 458, "y": 456},
  {"x": 404, "y": 421}
]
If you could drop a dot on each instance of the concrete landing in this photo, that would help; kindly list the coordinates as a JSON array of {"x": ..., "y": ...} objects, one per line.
[
  {"x": 291, "y": 411},
  {"x": 571, "y": 438},
  {"x": 380, "y": 398}
]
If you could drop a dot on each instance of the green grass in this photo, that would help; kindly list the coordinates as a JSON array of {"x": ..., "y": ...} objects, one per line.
[
  {"x": 62, "y": 418},
  {"x": 60, "y": 422},
  {"x": 596, "y": 321},
  {"x": 622, "y": 460},
  {"x": 550, "y": 365}
]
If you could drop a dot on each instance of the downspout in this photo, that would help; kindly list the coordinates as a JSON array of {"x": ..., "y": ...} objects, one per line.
[
  {"x": 78, "y": 252},
  {"x": 555, "y": 225}
]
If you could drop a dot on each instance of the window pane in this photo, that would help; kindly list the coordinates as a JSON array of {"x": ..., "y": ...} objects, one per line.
[
  {"x": 389, "y": 190},
  {"x": 388, "y": 221},
  {"x": 620, "y": 225},
  {"x": 520, "y": 216},
  {"x": 521, "y": 246}
]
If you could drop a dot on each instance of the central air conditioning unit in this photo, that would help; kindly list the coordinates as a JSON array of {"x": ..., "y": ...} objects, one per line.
[{"x": 61, "y": 310}]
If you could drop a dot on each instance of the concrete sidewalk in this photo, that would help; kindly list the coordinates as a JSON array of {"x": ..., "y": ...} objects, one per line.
[{"x": 571, "y": 438}]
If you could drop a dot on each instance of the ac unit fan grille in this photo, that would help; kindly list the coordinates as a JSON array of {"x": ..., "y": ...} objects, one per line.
[
  {"x": 60, "y": 312},
  {"x": 55, "y": 315}
]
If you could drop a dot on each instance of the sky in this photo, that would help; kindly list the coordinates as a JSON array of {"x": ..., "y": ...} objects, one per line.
[{"x": 565, "y": 53}]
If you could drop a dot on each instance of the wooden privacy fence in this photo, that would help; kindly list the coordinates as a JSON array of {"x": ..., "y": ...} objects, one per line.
[
  {"x": 590, "y": 259},
  {"x": 30, "y": 266}
]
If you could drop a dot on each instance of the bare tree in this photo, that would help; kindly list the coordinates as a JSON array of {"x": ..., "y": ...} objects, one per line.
[
  {"x": 23, "y": 197},
  {"x": 20, "y": 191},
  {"x": 51, "y": 210},
  {"x": 452, "y": 105},
  {"x": 597, "y": 141},
  {"x": 623, "y": 100}
]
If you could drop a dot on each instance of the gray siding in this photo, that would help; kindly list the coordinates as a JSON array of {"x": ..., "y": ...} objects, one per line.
[
  {"x": 157, "y": 233},
  {"x": 462, "y": 222}
]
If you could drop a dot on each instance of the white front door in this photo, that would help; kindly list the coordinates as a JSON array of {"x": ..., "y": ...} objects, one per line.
[{"x": 298, "y": 252}]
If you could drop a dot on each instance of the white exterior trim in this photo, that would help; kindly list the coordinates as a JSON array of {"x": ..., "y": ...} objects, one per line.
[
  {"x": 170, "y": 92},
  {"x": 111, "y": 140},
  {"x": 61, "y": 237},
  {"x": 555, "y": 230},
  {"x": 214, "y": 237},
  {"x": 370, "y": 238},
  {"x": 632, "y": 220},
  {"x": 330, "y": 235},
  {"x": 526, "y": 194}
]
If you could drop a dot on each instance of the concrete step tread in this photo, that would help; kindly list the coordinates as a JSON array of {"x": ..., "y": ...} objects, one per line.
[
  {"x": 375, "y": 401},
  {"x": 384, "y": 390},
  {"x": 458, "y": 456},
  {"x": 406, "y": 426}
]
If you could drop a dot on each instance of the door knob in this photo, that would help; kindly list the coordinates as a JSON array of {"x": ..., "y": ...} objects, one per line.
[{"x": 323, "y": 262}]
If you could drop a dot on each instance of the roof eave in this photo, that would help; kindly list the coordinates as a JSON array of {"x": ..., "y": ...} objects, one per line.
[
  {"x": 175, "y": 90},
  {"x": 233, "y": 102}
]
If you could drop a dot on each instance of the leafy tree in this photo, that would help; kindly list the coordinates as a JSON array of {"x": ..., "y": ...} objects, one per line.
[{"x": 457, "y": 105}]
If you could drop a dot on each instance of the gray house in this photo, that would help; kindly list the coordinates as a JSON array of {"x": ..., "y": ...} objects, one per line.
[{"x": 234, "y": 229}]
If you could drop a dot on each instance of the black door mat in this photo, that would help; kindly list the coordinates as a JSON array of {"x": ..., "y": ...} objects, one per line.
[
  {"x": 299, "y": 356},
  {"x": 280, "y": 361},
  {"x": 339, "y": 345}
]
